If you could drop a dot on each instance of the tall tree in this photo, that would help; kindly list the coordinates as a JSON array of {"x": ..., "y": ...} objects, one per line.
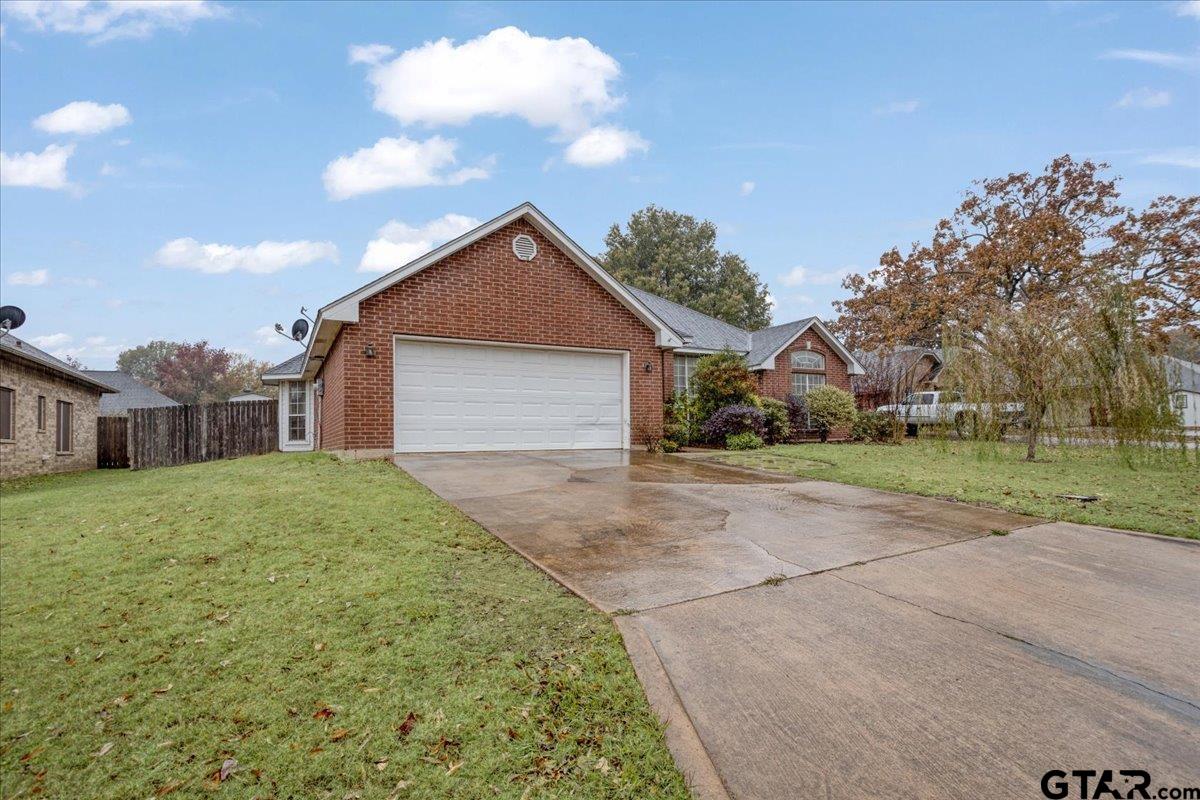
[
  {"x": 675, "y": 256},
  {"x": 142, "y": 361},
  {"x": 1020, "y": 260}
]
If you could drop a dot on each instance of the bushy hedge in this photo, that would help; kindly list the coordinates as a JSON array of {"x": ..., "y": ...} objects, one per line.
[
  {"x": 743, "y": 441},
  {"x": 732, "y": 420},
  {"x": 872, "y": 426},
  {"x": 720, "y": 380},
  {"x": 778, "y": 424},
  {"x": 797, "y": 411},
  {"x": 830, "y": 408}
]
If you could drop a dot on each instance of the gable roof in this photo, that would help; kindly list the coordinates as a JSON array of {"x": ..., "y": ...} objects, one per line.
[
  {"x": 23, "y": 350},
  {"x": 344, "y": 310},
  {"x": 130, "y": 393}
]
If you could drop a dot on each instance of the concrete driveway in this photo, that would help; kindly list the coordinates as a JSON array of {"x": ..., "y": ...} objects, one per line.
[{"x": 811, "y": 639}]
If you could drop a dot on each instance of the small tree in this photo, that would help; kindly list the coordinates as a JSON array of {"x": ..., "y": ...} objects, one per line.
[
  {"x": 830, "y": 408},
  {"x": 142, "y": 361},
  {"x": 722, "y": 379}
]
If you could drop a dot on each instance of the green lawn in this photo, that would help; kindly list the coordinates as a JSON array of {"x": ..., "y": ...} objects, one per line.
[
  {"x": 1161, "y": 495},
  {"x": 334, "y": 627}
]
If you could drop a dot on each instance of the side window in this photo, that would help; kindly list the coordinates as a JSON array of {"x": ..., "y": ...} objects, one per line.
[
  {"x": 64, "y": 431},
  {"x": 8, "y": 420},
  {"x": 41, "y": 412},
  {"x": 297, "y": 398}
]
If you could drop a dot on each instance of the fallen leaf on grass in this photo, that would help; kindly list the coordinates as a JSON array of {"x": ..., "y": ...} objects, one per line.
[
  {"x": 381, "y": 764},
  {"x": 453, "y": 767},
  {"x": 32, "y": 754},
  {"x": 324, "y": 713},
  {"x": 103, "y": 750},
  {"x": 165, "y": 689},
  {"x": 339, "y": 734},
  {"x": 167, "y": 788},
  {"x": 319, "y": 646},
  {"x": 405, "y": 728},
  {"x": 227, "y": 768}
]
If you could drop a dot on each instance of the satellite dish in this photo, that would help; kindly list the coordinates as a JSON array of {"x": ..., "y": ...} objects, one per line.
[
  {"x": 299, "y": 329},
  {"x": 11, "y": 317}
]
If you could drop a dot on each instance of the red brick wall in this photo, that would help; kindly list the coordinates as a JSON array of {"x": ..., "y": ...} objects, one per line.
[
  {"x": 484, "y": 292},
  {"x": 777, "y": 382}
]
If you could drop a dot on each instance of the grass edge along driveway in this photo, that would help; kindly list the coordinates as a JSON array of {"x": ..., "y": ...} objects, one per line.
[
  {"x": 319, "y": 628},
  {"x": 1158, "y": 494}
]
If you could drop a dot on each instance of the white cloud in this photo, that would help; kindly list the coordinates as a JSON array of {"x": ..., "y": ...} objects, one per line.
[
  {"x": 105, "y": 20},
  {"x": 90, "y": 283},
  {"x": 1188, "y": 157},
  {"x": 370, "y": 53},
  {"x": 1156, "y": 57},
  {"x": 399, "y": 162},
  {"x": 400, "y": 243},
  {"x": 747, "y": 188},
  {"x": 262, "y": 258},
  {"x": 84, "y": 118},
  {"x": 108, "y": 170},
  {"x": 550, "y": 83},
  {"x": 604, "y": 145},
  {"x": 267, "y": 337},
  {"x": 35, "y": 277},
  {"x": 898, "y": 107},
  {"x": 44, "y": 170},
  {"x": 1188, "y": 8},
  {"x": 1145, "y": 98},
  {"x": 52, "y": 340},
  {"x": 799, "y": 276},
  {"x": 795, "y": 277}
]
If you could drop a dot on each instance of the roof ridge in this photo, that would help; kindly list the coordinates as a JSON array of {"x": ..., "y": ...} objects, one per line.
[{"x": 684, "y": 307}]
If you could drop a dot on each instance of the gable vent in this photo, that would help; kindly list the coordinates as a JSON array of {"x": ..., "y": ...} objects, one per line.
[{"x": 524, "y": 247}]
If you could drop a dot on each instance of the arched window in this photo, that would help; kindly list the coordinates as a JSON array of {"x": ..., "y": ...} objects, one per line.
[{"x": 808, "y": 359}]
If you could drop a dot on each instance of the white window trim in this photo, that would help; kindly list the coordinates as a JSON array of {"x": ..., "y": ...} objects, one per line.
[{"x": 285, "y": 444}]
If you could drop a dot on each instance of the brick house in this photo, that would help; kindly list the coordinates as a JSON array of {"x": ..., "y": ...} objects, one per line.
[
  {"x": 48, "y": 412},
  {"x": 511, "y": 337}
]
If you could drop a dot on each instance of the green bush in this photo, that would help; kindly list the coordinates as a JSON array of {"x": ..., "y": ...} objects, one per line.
[
  {"x": 743, "y": 441},
  {"x": 682, "y": 420},
  {"x": 668, "y": 445},
  {"x": 778, "y": 426},
  {"x": 830, "y": 408},
  {"x": 721, "y": 380},
  {"x": 872, "y": 426}
]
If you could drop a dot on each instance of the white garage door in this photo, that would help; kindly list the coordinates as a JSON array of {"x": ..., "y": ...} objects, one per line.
[{"x": 459, "y": 397}]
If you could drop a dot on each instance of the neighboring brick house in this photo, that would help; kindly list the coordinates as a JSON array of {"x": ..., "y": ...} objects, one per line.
[
  {"x": 47, "y": 412},
  {"x": 511, "y": 337},
  {"x": 892, "y": 374}
]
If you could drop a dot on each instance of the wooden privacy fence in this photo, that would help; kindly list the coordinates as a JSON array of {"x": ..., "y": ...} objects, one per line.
[
  {"x": 167, "y": 437},
  {"x": 112, "y": 442}
]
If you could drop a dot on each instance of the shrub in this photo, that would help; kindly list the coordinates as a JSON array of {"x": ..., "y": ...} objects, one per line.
[
  {"x": 682, "y": 420},
  {"x": 872, "y": 426},
  {"x": 668, "y": 446},
  {"x": 743, "y": 441},
  {"x": 777, "y": 418},
  {"x": 828, "y": 408},
  {"x": 797, "y": 411},
  {"x": 733, "y": 420},
  {"x": 721, "y": 380}
]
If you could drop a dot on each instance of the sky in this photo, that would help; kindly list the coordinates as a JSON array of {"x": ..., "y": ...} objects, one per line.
[{"x": 201, "y": 170}]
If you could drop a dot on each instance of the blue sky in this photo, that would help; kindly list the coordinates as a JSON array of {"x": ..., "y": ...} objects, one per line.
[{"x": 202, "y": 170}]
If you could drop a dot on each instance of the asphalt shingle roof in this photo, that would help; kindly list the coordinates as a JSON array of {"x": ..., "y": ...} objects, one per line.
[
  {"x": 699, "y": 330},
  {"x": 131, "y": 393},
  {"x": 290, "y": 367},
  {"x": 768, "y": 340},
  {"x": 23, "y": 349}
]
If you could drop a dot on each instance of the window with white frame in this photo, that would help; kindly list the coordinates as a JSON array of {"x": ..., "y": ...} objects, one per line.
[
  {"x": 297, "y": 399},
  {"x": 685, "y": 368},
  {"x": 803, "y": 381},
  {"x": 807, "y": 359}
]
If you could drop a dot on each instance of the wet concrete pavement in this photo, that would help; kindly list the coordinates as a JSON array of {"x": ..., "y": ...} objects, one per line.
[{"x": 807, "y": 638}]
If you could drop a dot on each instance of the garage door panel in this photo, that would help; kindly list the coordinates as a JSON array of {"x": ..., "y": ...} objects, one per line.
[{"x": 484, "y": 397}]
